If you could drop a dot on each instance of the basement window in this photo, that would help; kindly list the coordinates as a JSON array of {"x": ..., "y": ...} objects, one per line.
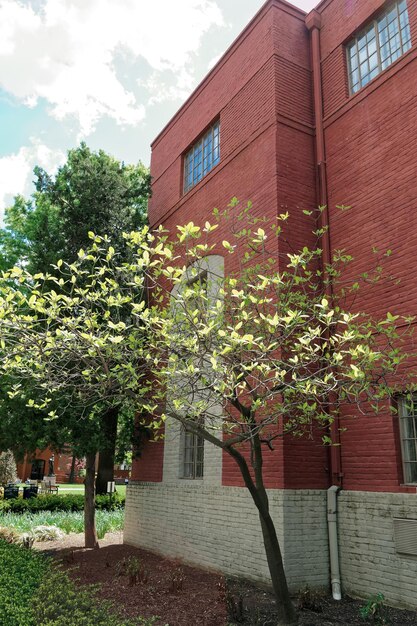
[
  {"x": 379, "y": 44},
  {"x": 202, "y": 157},
  {"x": 407, "y": 412}
]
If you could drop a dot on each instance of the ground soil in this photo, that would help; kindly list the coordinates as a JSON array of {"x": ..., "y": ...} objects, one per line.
[{"x": 186, "y": 596}]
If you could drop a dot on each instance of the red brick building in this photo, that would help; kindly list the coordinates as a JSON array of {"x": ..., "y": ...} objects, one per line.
[{"x": 301, "y": 110}]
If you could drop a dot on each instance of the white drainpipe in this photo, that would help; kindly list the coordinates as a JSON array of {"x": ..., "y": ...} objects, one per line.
[{"x": 333, "y": 541}]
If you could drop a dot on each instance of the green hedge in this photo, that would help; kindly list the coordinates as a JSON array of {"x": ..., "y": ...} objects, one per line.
[
  {"x": 66, "y": 502},
  {"x": 34, "y": 592}
]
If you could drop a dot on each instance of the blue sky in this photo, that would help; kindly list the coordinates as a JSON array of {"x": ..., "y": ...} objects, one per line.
[{"x": 109, "y": 73}]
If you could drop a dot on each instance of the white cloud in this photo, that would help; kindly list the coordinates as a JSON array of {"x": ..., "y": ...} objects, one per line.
[
  {"x": 16, "y": 170},
  {"x": 66, "y": 52},
  {"x": 214, "y": 60}
]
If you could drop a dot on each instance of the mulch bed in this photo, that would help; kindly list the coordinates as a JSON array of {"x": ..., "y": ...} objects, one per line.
[{"x": 186, "y": 596}]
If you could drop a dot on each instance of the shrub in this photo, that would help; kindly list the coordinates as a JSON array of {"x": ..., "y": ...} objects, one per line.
[
  {"x": 8, "y": 534},
  {"x": 7, "y": 467},
  {"x": 59, "y": 602},
  {"x": 133, "y": 569},
  {"x": 47, "y": 533},
  {"x": 20, "y": 574},
  {"x": 66, "y": 502},
  {"x": 34, "y": 592}
]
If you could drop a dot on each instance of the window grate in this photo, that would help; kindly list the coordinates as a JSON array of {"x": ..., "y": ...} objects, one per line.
[{"x": 381, "y": 43}]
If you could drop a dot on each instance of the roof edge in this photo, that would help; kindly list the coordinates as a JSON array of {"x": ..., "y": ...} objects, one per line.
[{"x": 286, "y": 6}]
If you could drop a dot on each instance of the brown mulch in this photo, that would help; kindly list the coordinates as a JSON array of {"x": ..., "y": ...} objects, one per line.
[
  {"x": 199, "y": 600},
  {"x": 187, "y": 596}
]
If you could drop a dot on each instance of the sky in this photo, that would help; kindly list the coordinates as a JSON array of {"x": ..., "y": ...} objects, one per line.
[{"x": 110, "y": 73}]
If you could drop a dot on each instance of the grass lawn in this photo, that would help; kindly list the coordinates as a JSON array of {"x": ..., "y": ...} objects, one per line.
[{"x": 74, "y": 488}]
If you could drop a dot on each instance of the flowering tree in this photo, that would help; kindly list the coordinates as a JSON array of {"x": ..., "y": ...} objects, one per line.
[
  {"x": 264, "y": 352},
  {"x": 76, "y": 338},
  {"x": 239, "y": 359}
]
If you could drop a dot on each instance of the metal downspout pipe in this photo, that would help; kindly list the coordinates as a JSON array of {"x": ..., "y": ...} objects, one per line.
[
  {"x": 333, "y": 541},
  {"x": 313, "y": 23}
]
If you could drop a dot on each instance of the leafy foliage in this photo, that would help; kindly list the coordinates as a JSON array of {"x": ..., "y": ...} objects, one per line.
[
  {"x": 66, "y": 502},
  {"x": 20, "y": 575},
  {"x": 67, "y": 521},
  {"x": 60, "y": 602},
  {"x": 374, "y": 610},
  {"x": 46, "y": 533},
  {"x": 91, "y": 191},
  {"x": 34, "y": 593},
  {"x": 272, "y": 349}
]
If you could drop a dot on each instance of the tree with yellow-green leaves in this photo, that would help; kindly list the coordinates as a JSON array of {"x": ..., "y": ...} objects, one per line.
[
  {"x": 91, "y": 191},
  {"x": 239, "y": 360}
]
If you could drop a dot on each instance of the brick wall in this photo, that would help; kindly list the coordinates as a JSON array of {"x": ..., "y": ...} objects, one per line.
[
  {"x": 219, "y": 528},
  {"x": 261, "y": 90},
  {"x": 369, "y": 561},
  {"x": 371, "y": 155}
]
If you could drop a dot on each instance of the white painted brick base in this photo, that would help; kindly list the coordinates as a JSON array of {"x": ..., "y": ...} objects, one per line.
[
  {"x": 369, "y": 561},
  {"x": 218, "y": 527}
]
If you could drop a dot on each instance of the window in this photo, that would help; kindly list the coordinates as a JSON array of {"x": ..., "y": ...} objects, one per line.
[
  {"x": 202, "y": 157},
  {"x": 193, "y": 456},
  {"x": 407, "y": 411},
  {"x": 378, "y": 45}
]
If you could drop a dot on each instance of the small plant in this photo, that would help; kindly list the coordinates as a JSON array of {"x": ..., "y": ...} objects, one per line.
[
  {"x": 133, "y": 569},
  {"x": 177, "y": 580},
  {"x": 47, "y": 533},
  {"x": 310, "y": 600},
  {"x": 235, "y": 607},
  {"x": 9, "y": 535},
  {"x": 67, "y": 521},
  {"x": 374, "y": 610},
  {"x": 27, "y": 540}
]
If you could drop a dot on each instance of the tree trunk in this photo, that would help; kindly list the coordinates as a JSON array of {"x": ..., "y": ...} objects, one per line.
[
  {"x": 105, "y": 472},
  {"x": 286, "y": 613},
  {"x": 89, "y": 503},
  {"x": 72, "y": 470}
]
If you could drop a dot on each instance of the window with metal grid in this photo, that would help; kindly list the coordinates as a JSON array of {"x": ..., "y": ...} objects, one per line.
[
  {"x": 381, "y": 43},
  {"x": 202, "y": 157},
  {"x": 407, "y": 411},
  {"x": 193, "y": 456}
]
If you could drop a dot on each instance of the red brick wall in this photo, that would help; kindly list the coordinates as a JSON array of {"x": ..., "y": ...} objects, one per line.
[
  {"x": 262, "y": 92},
  {"x": 371, "y": 165},
  {"x": 149, "y": 466}
]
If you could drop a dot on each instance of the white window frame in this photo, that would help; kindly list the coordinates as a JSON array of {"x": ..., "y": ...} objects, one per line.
[
  {"x": 192, "y": 456},
  {"x": 378, "y": 45},
  {"x": 202, "y": 157},
  {"x": 407, "y": 414}
]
